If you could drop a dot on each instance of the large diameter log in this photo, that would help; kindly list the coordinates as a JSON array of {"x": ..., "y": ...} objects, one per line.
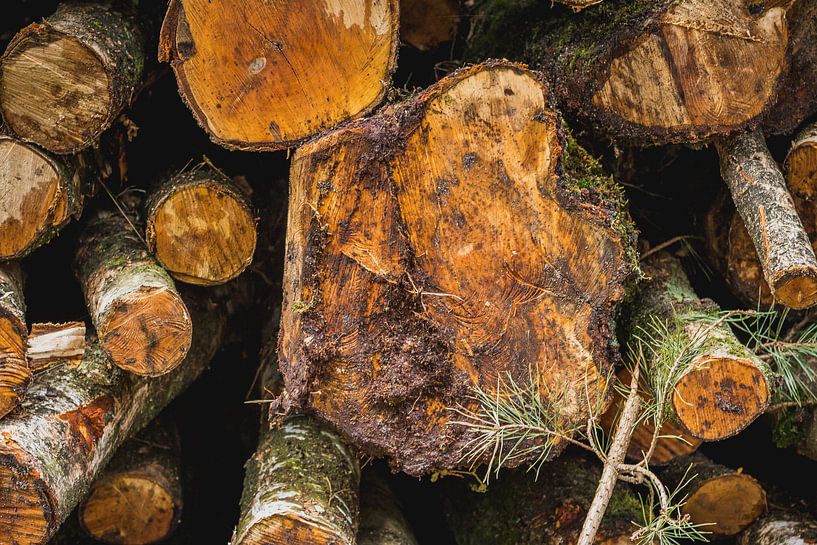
[
  {"x": 426, "y": 24},
  {"x": 294, "y": 69},
  {"x": 797, "y": 101},
  {"x": 650, "y": 72},
  {"x": 201, "y": 228},
  {"x": 467, "y": 272},
  {"x": 300, "y": 488},
  {"x": 137, "y": 500},
  {"x": 140, "y": 318},
  {"x": 520, "y": 510},
  {"x": 781, "y": 527},
  {"x": 726, "y": 386},
  {"x": 724, "y": 500},
  {"x": 39, "y": 194},
  {"x": 65, "y": 80},
  {"x": 381, "y": 515},
  {"x": 770, "y": 216},
  {"x": 15, "y": 375},
  {"x": 72, "y": 421}
]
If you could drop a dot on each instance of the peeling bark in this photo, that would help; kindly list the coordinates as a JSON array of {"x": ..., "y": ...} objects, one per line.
[
  {"x": 781, "y": 527},
  {"x": 727, "y": 501},
  {"x": 137, "y": 500},
  {"x": 433, "y": 247},
  {"x": 51, "y": 343},
  {"x": 71, "y": 423},
  {"x": 769, "y": 214},
  {"x": 727, "y": 386},
  {"x": 65, "y": 80},
  {"x": 201, "y": 227},
  {"x": 139, "y": 316}
]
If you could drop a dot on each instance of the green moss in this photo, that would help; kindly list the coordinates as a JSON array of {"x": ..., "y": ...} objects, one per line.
[
  {"x": 787, "y": 433},
  {"x": 624, "y": 504}
]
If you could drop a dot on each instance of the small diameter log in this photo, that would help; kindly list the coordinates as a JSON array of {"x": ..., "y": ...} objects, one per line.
[
  {"x": 673, "y": 441},
  {"x": 769, "y": 214},
  {"x": 137, "y": 499},
  {"x": 726, "y": 387},
  {"x": 381, "y": 515},
  {"x": 65, "y": 80},
  {"x": 292, "y": 70},
  {"x": 427, "y": 24},
  {"x": 200, "y": 227},
  {"x": 648, "y": 72},
  {"x": 72, "y": 421},
  {"x": 726, "y": 501},
  {"x": 15, "y": 375},
  {"x": 139, "y": 316},
  {"x": 520, "y": 510},
  {"x": 39, "y": 194},
  {"x": 467, "y": 273},
  {"x": 801, "y": 166},
  {"x": 781, "y": 527},
  {"x": 300, "y": 488},
  {"x": 51, "y": 343},
  {"x": 797, "y": 100}
]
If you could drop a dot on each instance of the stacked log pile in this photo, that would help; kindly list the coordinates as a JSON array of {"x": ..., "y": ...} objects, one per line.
[{"x": 467, "y": 272}]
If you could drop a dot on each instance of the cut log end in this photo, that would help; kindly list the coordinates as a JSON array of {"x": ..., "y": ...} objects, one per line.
[
  {"x": 796, "y": 287},
  {"x": 109, "y": 514},
  {"x": 801, "y": 169},
  {"x": 202, "y": 233},
  {"x": 53, "y": 89},
  {"x": 286, "y": 530},
  {"x": 30, "y": 196},
  {"x": 15, "y": 377},
  {"x": 307, "y": 66},
  {"x": 732, "y": 501},
  {"x": 720, "y": 396},
  {"x": 25, "y": 512},
  {"x": 148, "y": 332}
]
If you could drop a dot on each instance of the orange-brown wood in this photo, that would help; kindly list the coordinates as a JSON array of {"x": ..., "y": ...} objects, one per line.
[
  {"x": 726, "y": 504},
  {"x": 266, "y": 75},
  {"x": 426, "y": 24}
]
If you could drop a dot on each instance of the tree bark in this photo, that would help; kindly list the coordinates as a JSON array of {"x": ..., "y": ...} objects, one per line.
[
  {"x": 39, "y": 195},
  {"x": 15, "y": 375},
  {"x": 724, "y": 388},
  {"x": 797, "y": 101},
  {"x": 137, "y": 499},
  {"x": 769, "y": 214},
  {"x": 295, "y": 70},
  {"x": 727, "y": 501},
  {"x": 200, "y": 226},
  {"x": 51, "y": 343},
  {"x": 781, "y": 527},
  {"x": 518, "y": 509},
  {"x": 71, "y": 423},
  {"x": 427, "y": 24},
  {"x": 139, "y": 316},
  {"x": 433, "y": 248},
  {"x": 652, "y": 71},
  {"x": 381, "y": 515},
  {"x": 65, "y": 80}
]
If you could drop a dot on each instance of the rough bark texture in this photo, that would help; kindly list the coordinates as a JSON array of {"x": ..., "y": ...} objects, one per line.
[
  {"x": 781, "y": 527},
  {"x": 727, "y": 386},
  {"x": 426, "y": 24},
  {"x": 301, "y": 487},
  {"x": 293, "y": 69},
  {"x": 518, "y": 510},
  {"x": 139, "y": 316},
  {"x": 797, "y": 100},
  {"x": 15, "y": 375},
  {"x": 727, "y": 501},
  {"x": 137, "y": 500},
  {"x": 434, "y": 247},
  {"x": 769, "y": 214},
  {"x": 39, "y": 195},
  {"x": 381, "y": 515},
  {"x": 71, "y": 423},
  {"x": 648, "y": 71},
  {"x": 65, "y": 80},
  {"x": 200, "y": 226}
]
